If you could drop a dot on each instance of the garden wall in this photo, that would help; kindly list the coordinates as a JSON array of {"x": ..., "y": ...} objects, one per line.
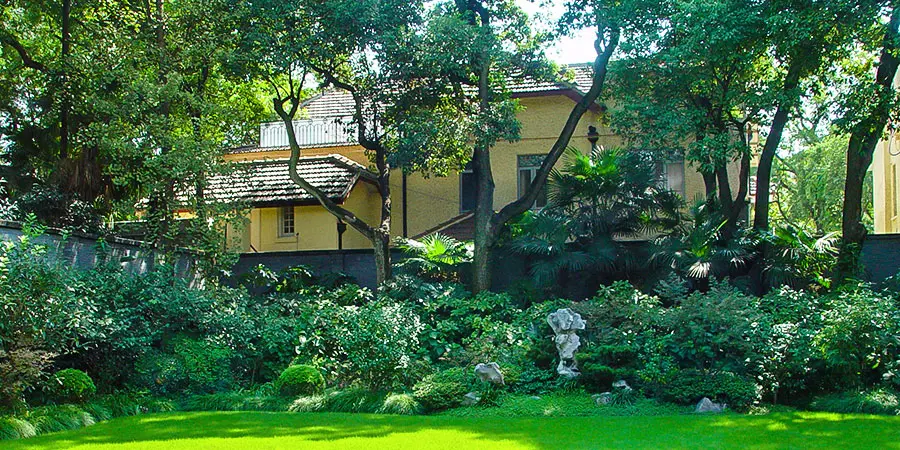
[
  {"x": 85, "y": 251},
  {"x": 359, "y": 264},
  {"x": 881, "y": 256}
]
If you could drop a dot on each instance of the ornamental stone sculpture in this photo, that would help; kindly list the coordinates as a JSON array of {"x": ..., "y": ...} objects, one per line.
[
  {"x": 564, "y": 323},
  {"x": 490, "y": 373}
]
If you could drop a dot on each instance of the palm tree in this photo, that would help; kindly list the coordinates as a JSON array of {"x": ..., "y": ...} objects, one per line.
[
  {"x": 697, "y": 249},
  {"x": 799, "y": 259},
  {"x": 436, "y": 257},
  {"x": 595, "y": 203}
]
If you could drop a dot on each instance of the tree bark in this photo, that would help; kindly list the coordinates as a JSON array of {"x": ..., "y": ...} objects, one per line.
[
  {"x": 860, "y": 150},
  {"x": 489, "y": 224},
  {"x": 65, "y": 104},
  {"x": 380, "y": 236},
  {"x": 773, "y": 140}
]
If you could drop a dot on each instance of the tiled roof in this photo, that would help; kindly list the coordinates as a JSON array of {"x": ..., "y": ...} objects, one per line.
[
  {"x": 268, "y": 183},
  {"x": 339, "y": 103}
]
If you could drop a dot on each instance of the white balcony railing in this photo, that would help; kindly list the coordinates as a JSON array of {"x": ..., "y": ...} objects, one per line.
[{"x": 309, "y": 132}]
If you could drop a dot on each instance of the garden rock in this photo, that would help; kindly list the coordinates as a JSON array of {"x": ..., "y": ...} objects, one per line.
[
  {"x": 490, "y": 373},
  {"x": 602, "y": 398},
  {"x": 471, "y": 399},
  {"x": 621, "y": 384},
  {"x": 564, "y": 323},
  {"x": 708, "y": 406}
]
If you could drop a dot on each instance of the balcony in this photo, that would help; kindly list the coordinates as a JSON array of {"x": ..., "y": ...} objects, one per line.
[{"x": 309, "y": 133}]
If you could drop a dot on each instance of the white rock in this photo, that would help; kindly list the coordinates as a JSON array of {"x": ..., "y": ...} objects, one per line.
[
  {"x": 564, "y": 323},
  {"x": 707, "y": 406},
  {"x": 490, "y": 373},
  {"x": 470, "y": 399}
]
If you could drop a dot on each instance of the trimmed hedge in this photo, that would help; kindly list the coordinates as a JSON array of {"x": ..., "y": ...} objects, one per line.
[{"x": 300, "y": 380}]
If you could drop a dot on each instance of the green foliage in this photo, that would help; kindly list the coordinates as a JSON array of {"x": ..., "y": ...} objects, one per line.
[
  {"x": 49, "y": 419},
  {"x": 879, "y": 401},
  {"x": 234, "y": 401},
  {"x": 594, "y": 200},
  {"x": 858, "y": 337},
  {"x": 435, "y": 257},
  {"x": 354, "y": 400},
  {"x": 698, "y": 248},
  {"x": 300, "y": 380},
  {"x": 689, "y": 386},
  {"x": 798, "y": 259},
  {"x": 402, "y": 404},
  {"x": 442, "y": 390},
  {"x": 70, "y": 386},
  {"x": 809, "y": 185},
  {"x": 15, "y": 428},
  {"x": 603, "y": 365}
]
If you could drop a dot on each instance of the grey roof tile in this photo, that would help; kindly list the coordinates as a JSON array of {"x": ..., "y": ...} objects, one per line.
[{"x": 268, "y": 183}]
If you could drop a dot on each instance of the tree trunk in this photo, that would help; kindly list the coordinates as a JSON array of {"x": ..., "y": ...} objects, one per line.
[
  {"x": 773, "y": 140},
  {"x": 863, "y": 139},
  {"x": 484, "y": 196},
  {"x": 65, "y": 104},
  {"x": 489, "y": 224}
]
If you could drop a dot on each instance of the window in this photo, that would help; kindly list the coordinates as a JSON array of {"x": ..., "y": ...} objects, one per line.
[
  {"x": 671, "y": 176},
  {"x": 468, "y": 187},
  {"x": 286, "y": 221},
  {"x": 528, "y": 168}
]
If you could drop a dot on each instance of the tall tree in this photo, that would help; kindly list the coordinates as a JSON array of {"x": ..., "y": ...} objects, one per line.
[
  {"x": 380, "y": 53},
  {"x": 805, "y": 38},
  {"x": 868, "y": 110},
  {"x": 694, "y": 89}
]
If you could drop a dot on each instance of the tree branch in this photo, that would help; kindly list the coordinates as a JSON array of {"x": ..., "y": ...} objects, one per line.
[
  {"x": 601, "y": 63},
  {"x": 10, "y": 40}
]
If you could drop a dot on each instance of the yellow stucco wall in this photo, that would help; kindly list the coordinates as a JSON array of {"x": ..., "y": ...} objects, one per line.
[
  {"x": 432, "y": 200},
  {"x": 316, "y": 228},
  {"x": 885, "y": 168}
]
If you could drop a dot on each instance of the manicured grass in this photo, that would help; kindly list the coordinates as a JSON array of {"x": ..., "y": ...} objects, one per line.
[{"x": 261, "y": 430}]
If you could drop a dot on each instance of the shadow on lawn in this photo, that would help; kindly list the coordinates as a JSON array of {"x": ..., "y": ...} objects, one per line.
[{"x": 797, "y": 430}]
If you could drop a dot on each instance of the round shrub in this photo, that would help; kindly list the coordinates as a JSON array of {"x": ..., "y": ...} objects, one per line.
[
  {"x": 442, "y": 390},
  {"x": 300, "y": 380},
  {"x": 689, "y": 386},
  {"x": 70, "y": 386}
]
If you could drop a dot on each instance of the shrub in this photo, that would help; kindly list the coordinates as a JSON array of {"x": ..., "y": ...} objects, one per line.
[
  {"x": 403, "y": 404},
  {"x": 354, "y": 400},
  {"x": 300, "y": 380},
  {"x": 689, "y": 386},
  {"x": 442, "y": 390},
  {"x": 70, "y": 386},
  {"x": 49, "y": 419},
  {"x": 14, "y": 428},
  {"x": 205, "y": 365},
  {"x": 869, "y": 402},
  {"x": 602, "y": 365},
  {"x": 858, "y": 338},
  {"x": 234, "y": 401},
  {"x": 312, "y": 403}
]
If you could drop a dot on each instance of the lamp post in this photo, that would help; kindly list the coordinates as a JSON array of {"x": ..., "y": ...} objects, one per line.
[{"x": 593, "y": 136}]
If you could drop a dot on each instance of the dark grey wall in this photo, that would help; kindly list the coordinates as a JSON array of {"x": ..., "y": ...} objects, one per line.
[
  {"x": 881, "y": 256},
  {"x": 359, "y": 264},
  {"x": 85, "y": 251}
]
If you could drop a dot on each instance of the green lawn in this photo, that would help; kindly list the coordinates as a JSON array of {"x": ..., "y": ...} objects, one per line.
[{"x": 259, "y": 430}]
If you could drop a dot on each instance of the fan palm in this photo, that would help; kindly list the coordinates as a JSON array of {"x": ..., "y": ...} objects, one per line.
[
  {"x": 594, "y": 202},
  {"x": 797, "y": 258},
  {"x": 697, "y": 249},
  {"x": 436, "y": 256}
]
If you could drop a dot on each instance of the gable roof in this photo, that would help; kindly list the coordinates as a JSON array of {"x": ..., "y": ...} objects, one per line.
[{"x": 267, "y": 182}]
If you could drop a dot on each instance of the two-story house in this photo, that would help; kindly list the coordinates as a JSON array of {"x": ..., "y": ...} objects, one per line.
[{"x": 285, "y": 218}]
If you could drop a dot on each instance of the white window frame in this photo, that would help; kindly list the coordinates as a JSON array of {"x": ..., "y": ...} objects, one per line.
[
  {"x": 285, "y": 220},
  {"x": 530, "y": 164},
  {"x": 662, "y": 171}
]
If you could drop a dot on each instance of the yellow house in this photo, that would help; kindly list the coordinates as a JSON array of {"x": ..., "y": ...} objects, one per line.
[
  {"x": 886, "y": 203},
  {"x": 284, "y": 218}
]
